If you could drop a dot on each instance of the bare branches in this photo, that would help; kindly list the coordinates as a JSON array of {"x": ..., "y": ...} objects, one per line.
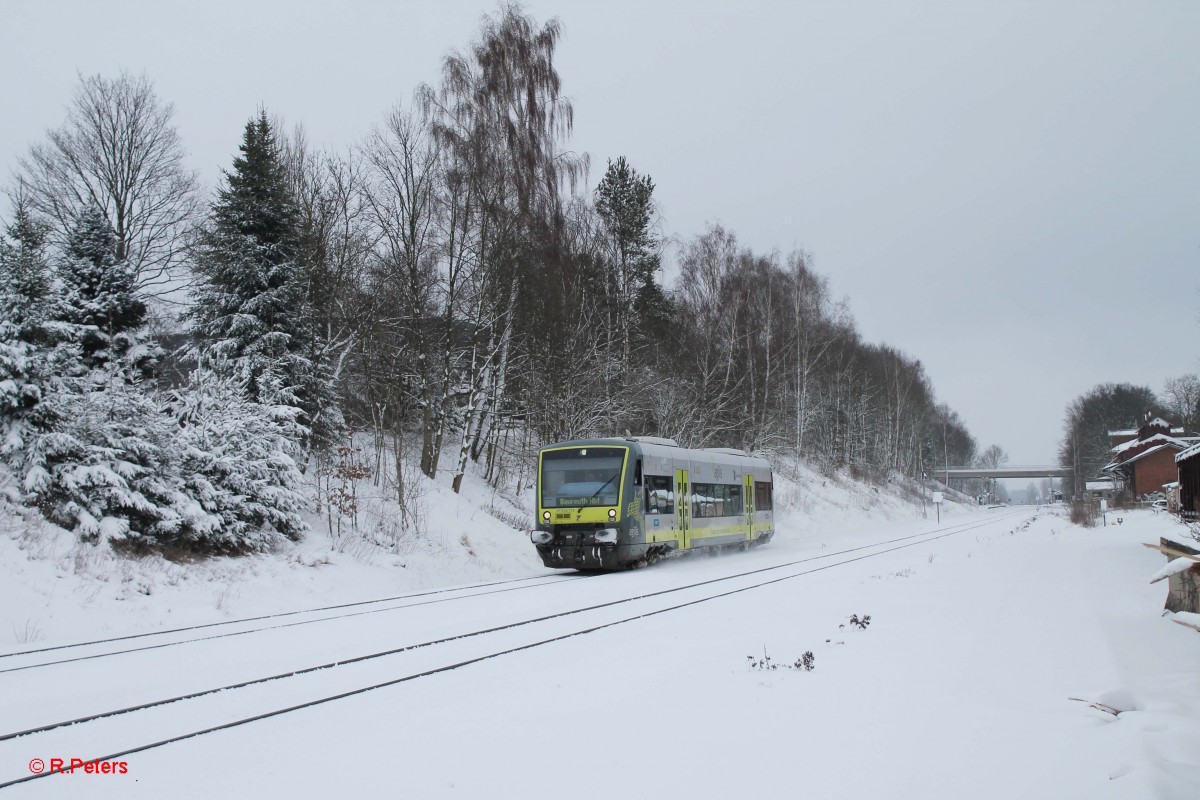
[
  {"x": 119, "y": 151},
  {"x": 1182, "y": 400},
  {"x": 765, "y": 360}
]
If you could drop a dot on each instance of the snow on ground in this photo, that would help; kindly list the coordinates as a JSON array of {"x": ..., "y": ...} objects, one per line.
[
  {"x": 54, "y": 590},
  {"x": 961, "y": 685}
]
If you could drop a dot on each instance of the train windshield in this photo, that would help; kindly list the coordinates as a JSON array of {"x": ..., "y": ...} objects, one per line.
[{"x": 581, "y": 476}]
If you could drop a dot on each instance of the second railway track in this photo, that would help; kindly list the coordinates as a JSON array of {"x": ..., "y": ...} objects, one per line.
[{"x": 123, "y": 729}]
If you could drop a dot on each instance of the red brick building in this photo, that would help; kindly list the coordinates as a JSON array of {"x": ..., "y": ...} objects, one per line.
[{"x": 1145, "y": 459}]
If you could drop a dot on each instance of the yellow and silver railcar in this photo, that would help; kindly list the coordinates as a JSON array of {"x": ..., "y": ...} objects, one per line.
[{"x": 610, "y": 503}]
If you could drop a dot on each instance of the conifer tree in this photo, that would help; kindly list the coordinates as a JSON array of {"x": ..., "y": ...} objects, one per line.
[
  {"x": 250, "y": 300},
  {"x": 27, "y": 369},
  {"x": 92, "y": 447},
  {"x": 625, "y": 202},
  {"x": 99, "y": 295},
  {"x": 80, "y": 433},
  {"x": 25, "y": 279}
]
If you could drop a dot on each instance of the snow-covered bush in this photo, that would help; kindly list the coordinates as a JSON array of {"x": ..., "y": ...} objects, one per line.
[
  {"x": 237, "y": 459},
  {"x": 105, "y": 470},
  {"x": 99, "y": 454}
]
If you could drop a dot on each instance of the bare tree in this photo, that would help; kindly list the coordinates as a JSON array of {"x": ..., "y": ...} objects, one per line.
[
  {"x": 993, "y": 457},
  {"x": 333, "y": 248},
  {"x": 1182, "y": 396},
  {"x": 713, "y": 317},
  {"x": 957, "y": 444},
  {"x": 417, "y": 272},
  {"x": 118, "y": 150},
  {"x": 816, "y": 323}
]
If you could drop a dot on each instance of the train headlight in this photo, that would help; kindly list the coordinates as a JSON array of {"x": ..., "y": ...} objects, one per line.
[
  {"x": 606, "y": 536},
  {"x": 541, "y": 537},
  {"x": 612, "y": 514},
  {"x": 545, "y": 516}
]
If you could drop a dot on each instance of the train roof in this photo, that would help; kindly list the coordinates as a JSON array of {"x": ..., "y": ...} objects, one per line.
[{"x": 656, "y": 446}]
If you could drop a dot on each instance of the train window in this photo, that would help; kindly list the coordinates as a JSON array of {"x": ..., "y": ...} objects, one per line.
[
  {"x": 762, "y": 496},
  {"x": 637, "y": 473},
  {"x": 734, "y": 506},
  {"x": 581, "y": 476},
  {"x": 660, "y": 495},
  {"x": 705, "y": 502},
  {"x": 716, "y": 500}
]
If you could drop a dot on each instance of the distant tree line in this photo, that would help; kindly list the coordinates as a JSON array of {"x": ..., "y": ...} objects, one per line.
[{"x": 169, "y": 365}]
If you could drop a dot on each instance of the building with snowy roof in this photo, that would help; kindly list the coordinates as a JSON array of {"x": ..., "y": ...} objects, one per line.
[{"x": 1145, "y": 461}]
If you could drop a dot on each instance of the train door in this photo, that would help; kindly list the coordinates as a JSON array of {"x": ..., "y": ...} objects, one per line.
[
  {"x": 683, "y": 509},
  {"x": 748, "y": 494}
]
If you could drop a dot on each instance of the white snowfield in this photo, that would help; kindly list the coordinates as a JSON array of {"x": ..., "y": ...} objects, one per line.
[{"x": 1008, "y": 654}]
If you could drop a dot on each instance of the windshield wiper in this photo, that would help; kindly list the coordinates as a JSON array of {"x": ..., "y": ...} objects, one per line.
[{"x": 601, "y": 489}]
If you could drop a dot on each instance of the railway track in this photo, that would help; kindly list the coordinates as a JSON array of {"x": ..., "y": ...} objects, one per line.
[
  {"x": 102, "y": 648},
  {"x": 138, "y": 727}
]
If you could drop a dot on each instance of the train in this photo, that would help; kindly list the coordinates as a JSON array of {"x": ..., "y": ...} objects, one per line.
[{"x": 607, "y": 504}]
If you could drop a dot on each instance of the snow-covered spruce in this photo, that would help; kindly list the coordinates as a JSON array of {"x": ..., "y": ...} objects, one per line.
[{"x": 238, "y": 461}]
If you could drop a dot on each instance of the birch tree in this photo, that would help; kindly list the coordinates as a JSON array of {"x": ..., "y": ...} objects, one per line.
[{"x": 500, "y": 114}]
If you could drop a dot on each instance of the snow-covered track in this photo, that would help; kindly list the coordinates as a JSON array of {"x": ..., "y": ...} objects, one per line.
[
  {"x": 181, "y": 634},
  {"x": 427, "y": 659}
]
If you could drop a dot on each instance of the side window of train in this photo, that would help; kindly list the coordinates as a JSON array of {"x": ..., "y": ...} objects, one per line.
[
  {"x": 637, "y": 473},
  {"x": 660, "y": 495},
  {"x": 716, "y": 500},
  {"x": 762, "y": 496},
  {"x": 704, "y": 503}
]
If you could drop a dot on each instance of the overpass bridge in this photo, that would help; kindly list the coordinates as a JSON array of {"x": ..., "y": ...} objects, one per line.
[{"x": 1035, "y": 471}]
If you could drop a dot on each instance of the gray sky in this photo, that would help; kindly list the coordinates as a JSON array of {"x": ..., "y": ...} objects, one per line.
[{"x": 1009, "y": 191}]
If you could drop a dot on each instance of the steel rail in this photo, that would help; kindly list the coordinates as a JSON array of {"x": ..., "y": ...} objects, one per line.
[
  {"x": 284, "y": 625},
  {"x": 925, "y": 537}
]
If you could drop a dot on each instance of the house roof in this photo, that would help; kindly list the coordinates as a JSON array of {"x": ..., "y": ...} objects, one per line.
[
  {"x": 1135, "y": 443},
  {"x": 1175, "y": 441},
  {"x": 1149, "y": 452},
  {"x": 1188, "y": 453}
]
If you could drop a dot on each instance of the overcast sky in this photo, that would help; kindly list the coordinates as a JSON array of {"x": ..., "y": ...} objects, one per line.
[{"x": 1009, "y": 191}]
